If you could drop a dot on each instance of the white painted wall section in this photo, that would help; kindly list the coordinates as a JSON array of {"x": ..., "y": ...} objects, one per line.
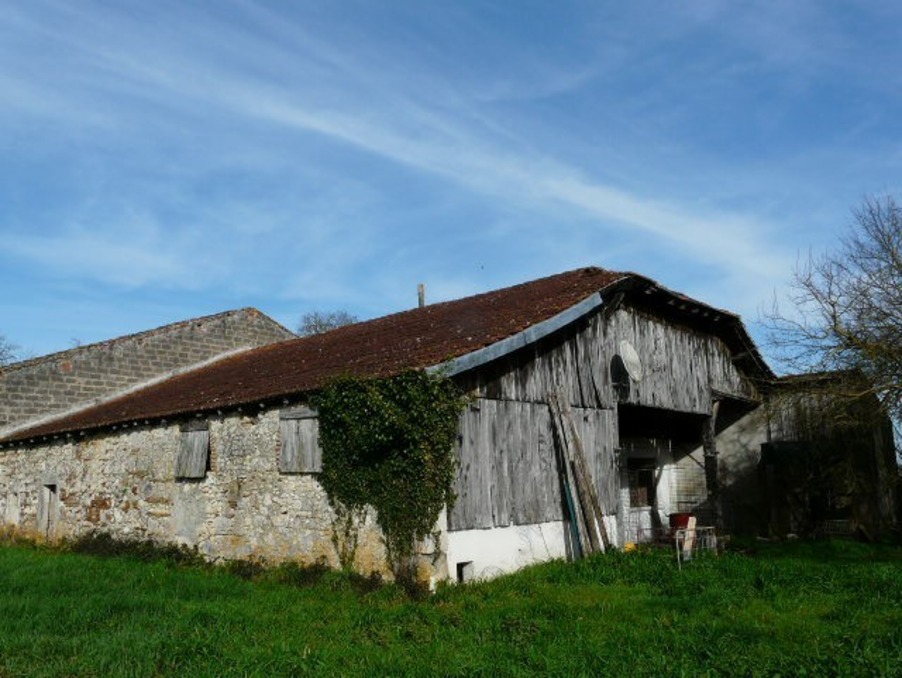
[{"x": 501, "y": 550}]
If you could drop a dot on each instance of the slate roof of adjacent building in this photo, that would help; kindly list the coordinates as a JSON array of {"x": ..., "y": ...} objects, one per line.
[{"x": 413, "y": 339}]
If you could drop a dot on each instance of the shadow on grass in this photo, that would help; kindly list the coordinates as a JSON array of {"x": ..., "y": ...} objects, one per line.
[
  {"x": 144, "y": 550},
  {"x": 288, "y": 573},
  {"x": 839, "y": 550}
]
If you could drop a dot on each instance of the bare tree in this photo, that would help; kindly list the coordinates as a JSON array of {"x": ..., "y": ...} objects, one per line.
[
  {"x": 317, "y": 322},
  {"x": 848, "y": 308},
  {"x": 8, "y": 351}
]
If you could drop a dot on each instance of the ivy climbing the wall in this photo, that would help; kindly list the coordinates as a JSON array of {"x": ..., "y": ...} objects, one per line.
[{"x": 389, "y": 443}]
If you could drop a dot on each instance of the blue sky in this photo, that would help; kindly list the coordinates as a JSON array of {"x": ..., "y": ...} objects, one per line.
[{"x": 163, "y": 160}]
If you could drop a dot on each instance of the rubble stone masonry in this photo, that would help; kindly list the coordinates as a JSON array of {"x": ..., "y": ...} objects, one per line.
[{"x": 123, "y": 483}]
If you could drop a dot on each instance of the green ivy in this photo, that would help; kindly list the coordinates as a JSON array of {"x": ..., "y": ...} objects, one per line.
[{"x": 389, "y": 443}]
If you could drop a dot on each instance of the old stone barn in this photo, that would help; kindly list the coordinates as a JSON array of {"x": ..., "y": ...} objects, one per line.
[{"x": 663, "y": 392}]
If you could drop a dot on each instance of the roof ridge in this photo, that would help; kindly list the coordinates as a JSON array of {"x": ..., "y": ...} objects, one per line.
[
  {"x": 593, "y": 270},
  {"x": 439, "y": 305}
]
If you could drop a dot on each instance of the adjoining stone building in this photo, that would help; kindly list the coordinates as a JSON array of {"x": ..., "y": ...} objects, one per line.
[
  {"x": 33, "y": 390},
  {"x": 829, "y": 465},
  {"x": 664, "y": 393}
]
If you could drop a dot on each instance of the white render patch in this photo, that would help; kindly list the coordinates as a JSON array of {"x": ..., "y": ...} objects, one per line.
[{"x": 492, "y": 552}]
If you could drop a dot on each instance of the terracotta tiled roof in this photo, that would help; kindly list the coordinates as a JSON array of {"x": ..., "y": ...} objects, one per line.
[{"x": 411, "y": 339}]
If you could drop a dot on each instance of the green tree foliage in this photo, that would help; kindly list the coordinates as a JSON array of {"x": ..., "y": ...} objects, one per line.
[
  {"x": 317, "y": 322},
  {"x": 388, "y": 443}
]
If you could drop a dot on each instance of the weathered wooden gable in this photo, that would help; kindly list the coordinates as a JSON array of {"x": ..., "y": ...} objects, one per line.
[
  {"x": 508, "y": 473},
  {"x": 682, "y": 367}
]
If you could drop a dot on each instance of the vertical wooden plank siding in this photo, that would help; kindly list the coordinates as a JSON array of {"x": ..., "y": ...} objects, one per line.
[
  {"x": 674, "y": 361},
  {"x": 301, "y": 452},
  {"x": 309, "y": 437},
  {"x": 507, "y": 471},
  {"x": 502, "y": 428},
  {"x": 289, "y": 455},
  {"x": 597, "y": 352},
  {"x": 681, "y": 366},
  {"x": 533, "y": 467},
  {"x": 191, "y": 462},
  {"x": 598, "y": 430},
  {"x": 582, "y": 353},
  {"x": 473, "y": 506},
  {"x": 724, "y": 377}
]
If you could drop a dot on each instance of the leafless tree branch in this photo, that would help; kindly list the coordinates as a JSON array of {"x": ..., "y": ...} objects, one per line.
[
  {"x": 317, "y": 322},
  {"x": 9, "y": 352},
  {"x": 848, "y": 306}
]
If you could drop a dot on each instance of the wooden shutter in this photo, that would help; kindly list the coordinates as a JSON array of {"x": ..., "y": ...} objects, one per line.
[
  {"x": 299, "y": 430},
  {"x": 194, "y": 451}
]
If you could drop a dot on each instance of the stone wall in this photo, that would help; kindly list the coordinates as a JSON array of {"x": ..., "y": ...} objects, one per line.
[
  {"x": 63, "y": 381},
  {"x": 123, "y": 483}
]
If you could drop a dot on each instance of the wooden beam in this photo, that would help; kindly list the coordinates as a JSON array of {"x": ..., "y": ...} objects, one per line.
[
  {"x": 712, "y": 475},
  {"x": 589, "y": 505},
  {"x": 582, "y": 534}
]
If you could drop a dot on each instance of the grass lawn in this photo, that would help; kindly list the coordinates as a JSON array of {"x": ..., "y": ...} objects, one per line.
[{"x": 827, "y": 608}]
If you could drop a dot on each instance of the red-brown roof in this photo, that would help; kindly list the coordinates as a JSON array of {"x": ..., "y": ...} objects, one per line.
[{"x": 412, "y": 339}]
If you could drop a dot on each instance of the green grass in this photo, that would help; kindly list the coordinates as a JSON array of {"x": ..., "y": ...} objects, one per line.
[{"x": 829, "y": 608}]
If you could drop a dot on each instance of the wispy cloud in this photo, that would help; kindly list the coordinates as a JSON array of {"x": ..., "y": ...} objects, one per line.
[
  {"x": 304, "y": 153},
  {"x": 400, "y": 126},
  {"x": 127, "y": 258}
]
